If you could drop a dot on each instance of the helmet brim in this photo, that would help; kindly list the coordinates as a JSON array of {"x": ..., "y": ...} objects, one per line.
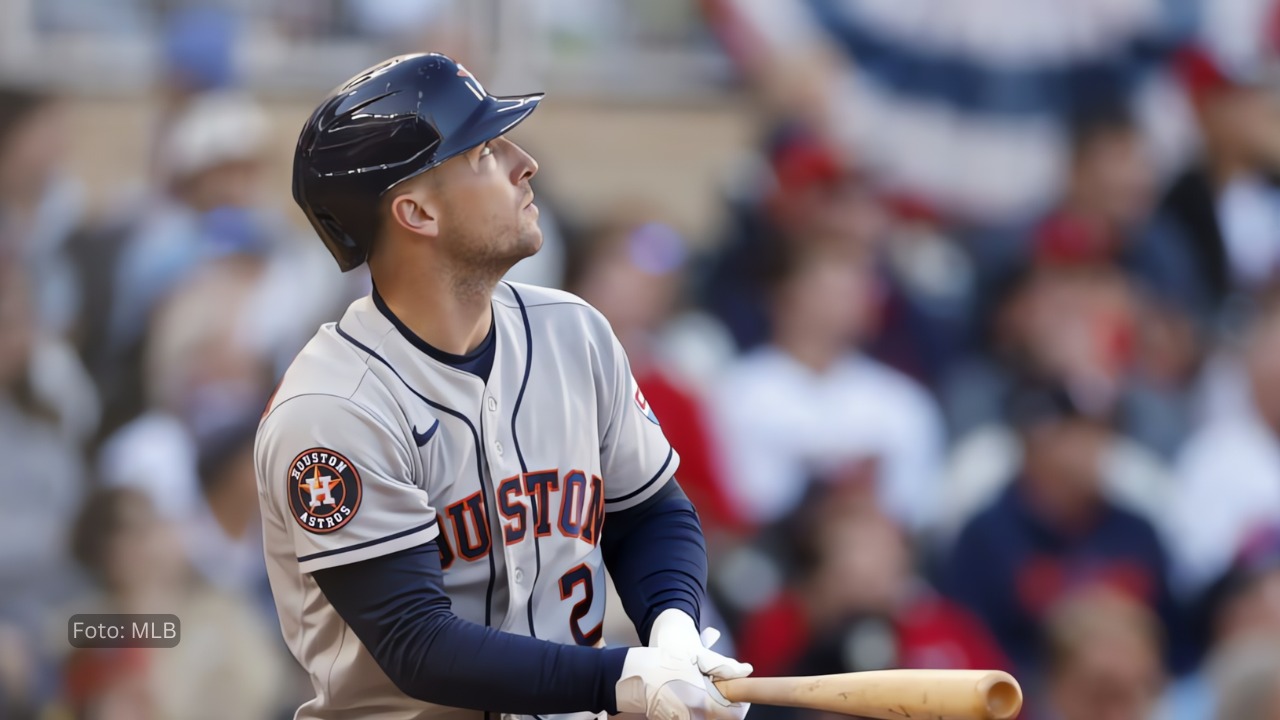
[{"x": 495, "y": 118}]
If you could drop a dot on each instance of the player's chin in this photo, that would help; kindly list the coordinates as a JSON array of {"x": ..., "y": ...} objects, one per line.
[{"x": 530, "y": 237}]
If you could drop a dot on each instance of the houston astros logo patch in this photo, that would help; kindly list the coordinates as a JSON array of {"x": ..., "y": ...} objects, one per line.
[{"x": 324, "y": 490}]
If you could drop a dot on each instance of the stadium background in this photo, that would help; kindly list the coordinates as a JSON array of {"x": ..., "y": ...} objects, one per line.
[{"x": 962, "y": 315}]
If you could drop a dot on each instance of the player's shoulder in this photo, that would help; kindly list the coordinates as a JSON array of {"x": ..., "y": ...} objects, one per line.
[
  {"x": 545, "y": 299},
  {"x": 328, "y": 374},
  {"x": 545, "y": 305}
]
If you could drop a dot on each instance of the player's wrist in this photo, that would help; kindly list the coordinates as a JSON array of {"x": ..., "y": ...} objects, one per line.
[
  {"x": 664, "y": 685},
  {"x": 645, "y": 672},
  {"x": 612, "y": 660},
  {"x": 630, "y": 690},
  {"x": 674, "y": 628},
  {"x": 675, "y": 631}
]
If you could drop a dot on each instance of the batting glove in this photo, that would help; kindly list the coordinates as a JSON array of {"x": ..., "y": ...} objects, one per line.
[
  {"x": 674, "y": 630},
  {"x": 663, "y": 685}
]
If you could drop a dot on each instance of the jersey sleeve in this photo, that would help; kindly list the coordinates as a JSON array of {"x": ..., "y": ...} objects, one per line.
[
  {"x": 341, "y": 481},
  {"x": 635, "y": 457}
]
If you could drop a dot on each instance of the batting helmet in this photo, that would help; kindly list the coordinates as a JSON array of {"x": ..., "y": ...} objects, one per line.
[{"x": 390, "y": 123}]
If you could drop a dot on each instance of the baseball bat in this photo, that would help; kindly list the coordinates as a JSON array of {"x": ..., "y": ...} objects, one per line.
[{"x": 889, "y": 694}]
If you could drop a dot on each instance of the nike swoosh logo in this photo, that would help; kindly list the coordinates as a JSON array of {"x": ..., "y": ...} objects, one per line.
[{"x": 422, "y": 438}]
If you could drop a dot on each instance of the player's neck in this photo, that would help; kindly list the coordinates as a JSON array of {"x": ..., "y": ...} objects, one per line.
[{"x": 455, "y": 322}]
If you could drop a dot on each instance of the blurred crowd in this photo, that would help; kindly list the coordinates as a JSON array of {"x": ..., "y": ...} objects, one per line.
[{"x": 981, "y": 369}]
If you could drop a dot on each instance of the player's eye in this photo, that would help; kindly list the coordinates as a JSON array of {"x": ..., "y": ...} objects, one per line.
[{"x": 485, "y": 150}]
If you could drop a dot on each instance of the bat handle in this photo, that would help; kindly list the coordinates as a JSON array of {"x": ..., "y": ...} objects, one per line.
[{"x": 971, "y": 694}]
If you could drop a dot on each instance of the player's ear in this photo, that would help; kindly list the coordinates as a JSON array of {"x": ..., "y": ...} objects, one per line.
[{"x": 414, "y": 209}]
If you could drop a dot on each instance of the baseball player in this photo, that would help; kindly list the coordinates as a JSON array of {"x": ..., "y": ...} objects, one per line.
[{"x": 446, "y": 472}]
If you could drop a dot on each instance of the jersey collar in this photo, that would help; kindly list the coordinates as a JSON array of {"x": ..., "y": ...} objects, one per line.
[{"x": 427, "y": 348}]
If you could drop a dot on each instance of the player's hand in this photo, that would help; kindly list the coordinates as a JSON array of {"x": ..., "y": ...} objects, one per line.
[
  {"x": 664, "y": 685},
  {"x": 674, "y": 630}
]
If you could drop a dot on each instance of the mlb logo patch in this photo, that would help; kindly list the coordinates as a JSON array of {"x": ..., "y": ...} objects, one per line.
[{"x": 642, "y": 403}]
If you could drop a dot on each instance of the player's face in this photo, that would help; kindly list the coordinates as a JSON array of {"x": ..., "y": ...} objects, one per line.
[{"x": 486, "y": 209}]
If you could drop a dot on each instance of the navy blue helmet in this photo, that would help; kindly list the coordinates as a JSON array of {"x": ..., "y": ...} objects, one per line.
[{"x": 391, "y": 122}]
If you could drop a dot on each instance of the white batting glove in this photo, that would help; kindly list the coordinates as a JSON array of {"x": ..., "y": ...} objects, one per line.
[
  {"x": 674, "y": 630},
  {"x": 662, "y": 685}
]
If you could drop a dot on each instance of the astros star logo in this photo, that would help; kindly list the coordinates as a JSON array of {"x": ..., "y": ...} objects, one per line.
[{"x": 320, "y": 488}]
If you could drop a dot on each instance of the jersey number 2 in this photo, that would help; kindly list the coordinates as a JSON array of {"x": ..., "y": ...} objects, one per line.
[{"x": 580, "y": 575}]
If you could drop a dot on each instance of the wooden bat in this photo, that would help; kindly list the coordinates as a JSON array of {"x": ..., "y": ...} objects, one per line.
[{"x": 889, "y": 694}]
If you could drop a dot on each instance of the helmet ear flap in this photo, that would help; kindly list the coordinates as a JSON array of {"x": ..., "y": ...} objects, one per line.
[{"x": 345, "y": 249}]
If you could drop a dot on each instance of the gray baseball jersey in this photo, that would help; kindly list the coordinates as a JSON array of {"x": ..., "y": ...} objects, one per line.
[{"x": 371, "y": 446}]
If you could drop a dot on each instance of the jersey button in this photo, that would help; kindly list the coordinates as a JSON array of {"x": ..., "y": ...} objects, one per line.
[
  {"x": 519, "y": 575},
  {"x": 493, "y": 404},
  {"x": 497, "y": 446}
]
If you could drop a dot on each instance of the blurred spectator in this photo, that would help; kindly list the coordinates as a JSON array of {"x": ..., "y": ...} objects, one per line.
[
  {"x": 1240, "y": 613},
  {"x": 41, "y": 480},
  {"x": 1166, "y": 394},
  {"x": 1249, "y": 685},
  {"x": 136, "y": 561},
  {"x": 633, "y": 271},
  {"x": 1229, "y": 471},
  {"x": 800, "y": 194},
  {"x": 930, "y": 293},
  {"x": 19, "y": 682},
  {"x": 223, "y": 538},
  {"x": 197, "y": 57},
  {"x": 40, "y": 205},
  {"x": 1067, "y": 315},
  {"x": 204, "y": 376},
  {"x": 857, "y": 603},
  {"x": 1224, "y": 206},
  {"x": 1070, "y": 318},
  {"x": 1142, "y": 340},
  {"x": 212, "y": 160},
  {"x": 808, "y": 406},
  {"x": 1105, "y": 219},
  {"x": 1053, "y": 531},
  {"x": 208, "y": 211},
  {"x": 1104, "y": 660},
  {"x": 1106, "y": 200},
  {"x": 1110, "y": 187}
]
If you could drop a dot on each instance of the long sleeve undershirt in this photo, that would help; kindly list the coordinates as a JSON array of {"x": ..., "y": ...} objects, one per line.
[
  {"x": 397, "y": 606},
  {"x": 657, "y": 557}
]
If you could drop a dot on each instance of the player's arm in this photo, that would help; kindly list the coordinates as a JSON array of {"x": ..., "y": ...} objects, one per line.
[
  {"x": 658, "y": 559},
  {"x": 657, "y": 556},
  {"x": 396, "y": 604},
  {"x": 652, "y": 539}
]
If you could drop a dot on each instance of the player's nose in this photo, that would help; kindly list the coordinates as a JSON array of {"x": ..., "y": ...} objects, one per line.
[{"x": 524, "y": 166}]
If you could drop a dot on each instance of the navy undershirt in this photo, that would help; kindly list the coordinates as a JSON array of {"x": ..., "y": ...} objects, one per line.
[
  {"x": 478, "y": 362},
  {"x": 657, "y": 557},
  {"x": 397, "y": 605}
]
